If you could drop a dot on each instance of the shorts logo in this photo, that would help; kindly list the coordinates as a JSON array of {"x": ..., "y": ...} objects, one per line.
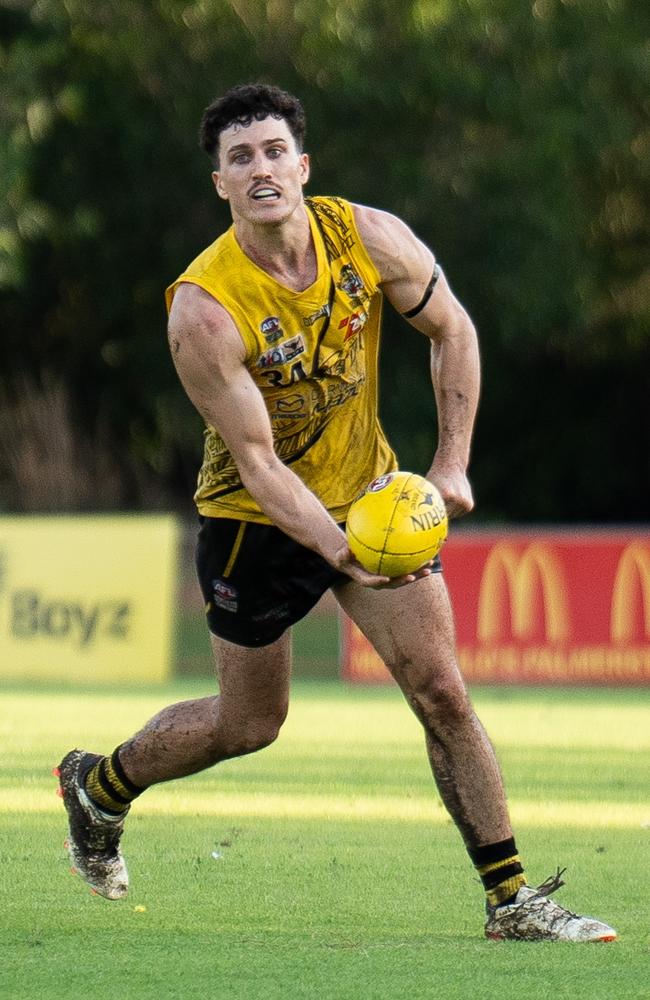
[
  {"x": 278, "y": 613},
  {"x": 380, "y": 483},
  {"x": 271, "y": 329},
  {"x": 350, "y": 282},
  {"x": 225, "y": 595},
  {"x": 282, "y": 353}
]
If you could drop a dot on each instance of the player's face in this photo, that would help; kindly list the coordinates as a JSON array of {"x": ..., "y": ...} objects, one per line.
[{"x": 261, "y": 173}]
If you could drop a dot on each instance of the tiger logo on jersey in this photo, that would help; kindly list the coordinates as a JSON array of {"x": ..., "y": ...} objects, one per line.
[{"x": 350, "y": 282}]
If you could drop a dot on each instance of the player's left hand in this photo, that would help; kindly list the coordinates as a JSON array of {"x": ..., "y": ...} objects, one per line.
[
  {"x": 353, "y": 568},
  {"x": 402, "y": 581},
  {"x": 454, "y": 488}
]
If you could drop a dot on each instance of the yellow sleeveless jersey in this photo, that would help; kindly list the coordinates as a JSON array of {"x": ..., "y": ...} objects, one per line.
[{"x": 313, "y": 356}]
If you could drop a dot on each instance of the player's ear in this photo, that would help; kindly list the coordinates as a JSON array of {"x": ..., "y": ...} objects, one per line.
[
  {"x": 216, "y": 180},
  {"x": 305, "y": 168}
]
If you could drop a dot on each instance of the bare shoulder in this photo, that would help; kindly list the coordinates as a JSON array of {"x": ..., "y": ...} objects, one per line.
[
  {"x": 196, "y": 316},
  {"x": 393, "y": 247},
  {"x": 193, "y": 306}
]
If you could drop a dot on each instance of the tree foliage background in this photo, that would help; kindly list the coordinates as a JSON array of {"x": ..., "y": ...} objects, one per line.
[{"x": 513, "y": 137}]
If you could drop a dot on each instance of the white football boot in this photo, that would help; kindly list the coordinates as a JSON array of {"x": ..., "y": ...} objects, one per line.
[
  {"x": 93, "y": 842},
  {"x": 534, "y": 917}
]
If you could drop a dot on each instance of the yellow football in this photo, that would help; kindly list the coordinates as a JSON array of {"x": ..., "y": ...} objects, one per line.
[{"x": 397, "y": 525}]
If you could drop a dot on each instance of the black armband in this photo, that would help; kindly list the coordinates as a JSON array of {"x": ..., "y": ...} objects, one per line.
[{"x": 410, "y": 313}]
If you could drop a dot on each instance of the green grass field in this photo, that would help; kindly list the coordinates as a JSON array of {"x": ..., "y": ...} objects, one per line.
[{"x": 337, "y": 873}]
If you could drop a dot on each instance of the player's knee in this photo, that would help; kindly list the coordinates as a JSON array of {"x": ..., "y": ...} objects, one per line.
[
  {"x": 441, "y": 703},
  {"x": 252, "y": 733},
  {"x": 259, "y": 734}
]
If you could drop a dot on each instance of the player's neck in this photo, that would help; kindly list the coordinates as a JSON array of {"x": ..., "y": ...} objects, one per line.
[{"x": 285, "y": 251}]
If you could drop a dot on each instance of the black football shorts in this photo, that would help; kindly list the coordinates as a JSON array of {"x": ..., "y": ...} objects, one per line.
[{"x": 256, "y": 581}]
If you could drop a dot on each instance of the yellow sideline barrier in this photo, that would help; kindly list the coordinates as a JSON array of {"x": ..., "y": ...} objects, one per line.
[{"x": 87, "y": 598}]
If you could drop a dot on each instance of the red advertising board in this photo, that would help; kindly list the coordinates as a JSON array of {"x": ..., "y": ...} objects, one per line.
[{"x": 540, "y": 607}]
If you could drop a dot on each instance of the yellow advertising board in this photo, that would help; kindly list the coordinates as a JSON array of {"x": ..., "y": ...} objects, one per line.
[{"x": 87, "y": 598}]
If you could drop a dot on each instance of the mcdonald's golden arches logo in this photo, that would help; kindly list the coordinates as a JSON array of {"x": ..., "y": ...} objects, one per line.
[
  {"x": 633, "y": 571},
  {"x": 519, "y": 580}
]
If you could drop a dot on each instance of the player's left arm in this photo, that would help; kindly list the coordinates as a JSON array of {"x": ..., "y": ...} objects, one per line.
[{"x": 416, "y": 286}]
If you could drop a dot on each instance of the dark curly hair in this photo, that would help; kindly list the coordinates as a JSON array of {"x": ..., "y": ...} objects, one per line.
[{"x": 244, "y": 103}]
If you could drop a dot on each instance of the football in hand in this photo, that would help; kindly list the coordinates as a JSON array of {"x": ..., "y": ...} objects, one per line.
[{"x": 397, "y": 525}]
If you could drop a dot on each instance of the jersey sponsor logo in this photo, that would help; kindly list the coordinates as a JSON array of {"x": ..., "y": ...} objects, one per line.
[
  {"x": 322, "y": 312},
  {"x": 225, "y": 596},
  {"x": 271, "y": 329},
  {"x": 293, "y": 348},
  {"x": 288, "y": 412},
  {"x": 353, "y": 324},
  {"x": 290, "y": 404},
  {"x": 337, "y": 394},
  {"x": 281, "y": 354},
  {"x": 349, "y": 281}
]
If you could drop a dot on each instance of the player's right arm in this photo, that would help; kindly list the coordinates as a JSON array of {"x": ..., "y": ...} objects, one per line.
[{"x": 209, "y": 354}]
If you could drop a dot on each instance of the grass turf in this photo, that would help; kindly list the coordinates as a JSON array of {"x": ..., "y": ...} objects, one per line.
[{"x": 338, "y": 873}]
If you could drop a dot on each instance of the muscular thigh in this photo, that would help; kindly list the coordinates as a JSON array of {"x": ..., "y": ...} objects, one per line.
[
  {"x": 411, "y": 628},
  {"x": 254, "y": 681}
]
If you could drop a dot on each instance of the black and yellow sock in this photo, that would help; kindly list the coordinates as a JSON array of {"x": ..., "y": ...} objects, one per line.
[
  {"x": 108, "y": 787},
  {"x": 500, "y": 869}
]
